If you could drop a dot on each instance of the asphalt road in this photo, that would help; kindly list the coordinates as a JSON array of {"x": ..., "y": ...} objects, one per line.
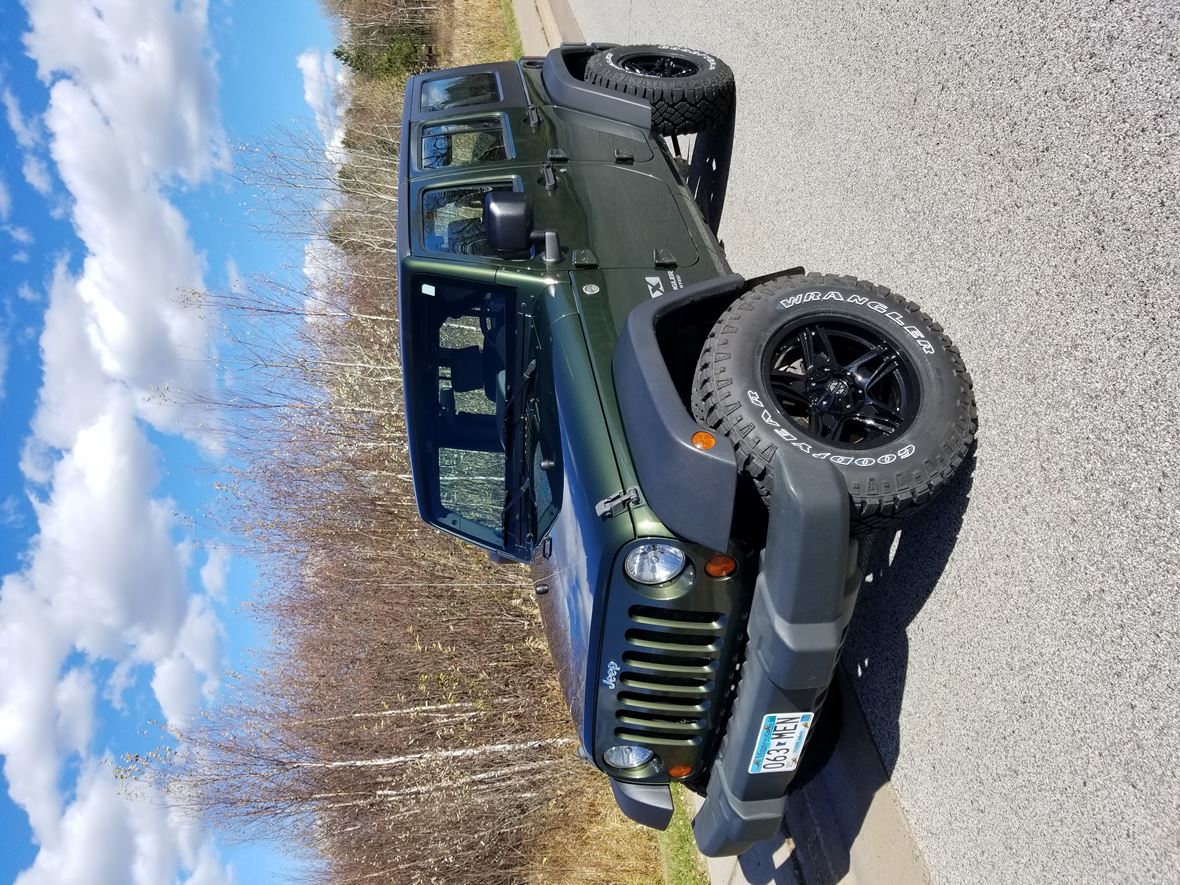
[{"x": 1013, "y": 168}]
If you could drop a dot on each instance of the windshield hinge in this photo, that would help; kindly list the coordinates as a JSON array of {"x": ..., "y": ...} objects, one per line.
[{"x": 618, "y": 502}]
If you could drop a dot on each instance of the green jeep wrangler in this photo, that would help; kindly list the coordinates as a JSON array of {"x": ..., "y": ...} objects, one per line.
[{"x": 688, "y": 459}]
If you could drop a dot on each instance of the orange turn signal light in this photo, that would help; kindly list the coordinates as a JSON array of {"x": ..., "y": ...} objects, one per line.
[
  {"x": 721, "y": 566},
  {"x": 702, "y": 439},
  {"x": 679, "y": 770}
]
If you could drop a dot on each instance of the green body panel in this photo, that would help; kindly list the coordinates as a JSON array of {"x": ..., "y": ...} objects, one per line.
[{"x": 630, "y": 231}]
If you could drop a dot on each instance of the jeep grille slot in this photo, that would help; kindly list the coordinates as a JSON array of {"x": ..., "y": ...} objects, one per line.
[
  {"x": 686, "y": 685},
  {"x": 667, "y": 675},
  {"x": 674, "y": 724},
  {"x": 676, "y": 620},
  {"x": 672, "y": 642},
  {"x": 667, "y": 664},
  {"x": 656, "y": 739},
  {"x": 670, "y": 704}
]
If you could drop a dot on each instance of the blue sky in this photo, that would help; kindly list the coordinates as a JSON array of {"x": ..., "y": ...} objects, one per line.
[{"x": 118, "y": 147}]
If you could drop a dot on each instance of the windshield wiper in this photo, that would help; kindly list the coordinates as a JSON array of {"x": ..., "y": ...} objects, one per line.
[
  {"x": 518, "y": 390},
  {"x": 518, "y": 513}
]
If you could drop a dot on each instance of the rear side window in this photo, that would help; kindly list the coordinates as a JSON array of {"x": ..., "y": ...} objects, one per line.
[
  {"x": 460, "y": 92},
  {"x": 452, "y": 219},
  {"x": 462, "y": 144}
]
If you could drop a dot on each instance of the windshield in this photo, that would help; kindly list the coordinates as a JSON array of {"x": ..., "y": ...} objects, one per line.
[{"x": 457, "y": 370}]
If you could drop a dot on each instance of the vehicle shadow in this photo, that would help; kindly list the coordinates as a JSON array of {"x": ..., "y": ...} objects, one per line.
[
  {"x": 902, "y": 569},
  {"x": 855, "y": 746}
]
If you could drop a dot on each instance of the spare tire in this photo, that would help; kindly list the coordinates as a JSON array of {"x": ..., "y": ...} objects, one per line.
[
  {"x": 689, "y": 91},
  {"x": 841, "y": 370}
]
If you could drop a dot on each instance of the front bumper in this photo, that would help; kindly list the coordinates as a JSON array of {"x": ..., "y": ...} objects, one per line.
[{"x": 804, "y": 597}]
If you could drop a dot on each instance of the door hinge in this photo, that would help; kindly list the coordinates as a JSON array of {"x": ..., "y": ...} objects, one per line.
[{"x": 618, "y": 502}]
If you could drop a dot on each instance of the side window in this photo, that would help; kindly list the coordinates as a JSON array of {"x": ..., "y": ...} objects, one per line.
[
  {"x": 459, "y": 92},
  {"x": 462, "y": 144},
  {"x": 452, "y": 219}
]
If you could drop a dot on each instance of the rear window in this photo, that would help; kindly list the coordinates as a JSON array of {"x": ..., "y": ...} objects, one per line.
[
  {"x": 452, "y": 219},
  {"x": 462, "y": 144},
  {"x": 460, "y": 92}
]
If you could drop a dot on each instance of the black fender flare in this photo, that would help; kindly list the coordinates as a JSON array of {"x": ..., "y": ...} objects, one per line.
[
  {"x": 571, "y": 91},
  {"x": 691, "y": 490}
]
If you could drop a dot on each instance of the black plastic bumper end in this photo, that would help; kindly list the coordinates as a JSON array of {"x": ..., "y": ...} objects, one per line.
[
  {"x": 647, "y": 804},
  {"x": 725, "y": 829},
  {"x": 803, "y": 601}
]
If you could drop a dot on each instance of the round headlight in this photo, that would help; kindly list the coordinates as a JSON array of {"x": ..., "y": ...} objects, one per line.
[
  {"x": 654, "y": 563},
  {"x": 627, "y": 756}
]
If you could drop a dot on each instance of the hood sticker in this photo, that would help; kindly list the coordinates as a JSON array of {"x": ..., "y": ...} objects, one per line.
[{"x": 657, "y": 286}]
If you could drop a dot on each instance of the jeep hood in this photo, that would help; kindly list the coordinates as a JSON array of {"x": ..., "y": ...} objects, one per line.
[{"x": 574, "y": 561}]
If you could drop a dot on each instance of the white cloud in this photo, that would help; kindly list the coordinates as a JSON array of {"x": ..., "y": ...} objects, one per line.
[
  {"x": 234, "y": 278},
  {"x": 37, "y": 174},
  {"x": 178, "y": 689},
  {"x": 324, "y": 89},
  {"x": 74, "y": 699},
  {"x": 33, "y": 648},
  {"x": 190, "y": 673},
  {"x": 21, "y": 257},
  {"x": 26, "y": 131},
  {"x": 214, "y": 572},
  {"x": 132, "y": 111},
  {"x": 20, "y": 234},
  {"x": 11, "y": 516},
  {"x": 96, "y": 840},
  {"x": 208, "y": 870},
  {"x": 147, "y": 69},
  {"x": 5, "y": 201},
  {"x": 29, "y": 136},
  {"x": 25, "y": 292},
  {"x": 111, "y": 838},
  {"x": 73, "y": 391},
  {"x": 104, "y": 557},
  {"x": 142, "y": 331},
  {"x": 36, "y": 461}
]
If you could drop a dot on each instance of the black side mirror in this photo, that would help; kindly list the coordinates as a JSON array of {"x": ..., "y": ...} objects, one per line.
[{"x": 508, "y": 220}]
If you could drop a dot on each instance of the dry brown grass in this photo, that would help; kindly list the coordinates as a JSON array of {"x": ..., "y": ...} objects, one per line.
[
  {"x": 469, "y": 40},
  {"x": 587, "y": 841}
]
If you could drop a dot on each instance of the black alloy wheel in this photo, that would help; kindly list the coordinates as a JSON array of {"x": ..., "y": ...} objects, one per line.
[
  {"x": 842, "y": 383},
  {"x": 665, "y": 66}
]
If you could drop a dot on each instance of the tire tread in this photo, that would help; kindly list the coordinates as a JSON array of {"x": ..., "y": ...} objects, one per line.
[{"x": 717, "y": 404}]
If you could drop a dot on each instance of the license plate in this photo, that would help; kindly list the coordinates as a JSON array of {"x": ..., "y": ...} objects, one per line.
[{"x": 780, "y": 742}]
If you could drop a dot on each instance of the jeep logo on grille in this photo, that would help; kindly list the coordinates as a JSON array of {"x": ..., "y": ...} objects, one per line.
[{"x": 611, "y": 679}]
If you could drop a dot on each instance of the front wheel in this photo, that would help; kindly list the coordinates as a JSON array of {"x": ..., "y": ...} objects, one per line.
[
  {"x": 841, "y": 370},
  {"x": 689, "y": 91}
]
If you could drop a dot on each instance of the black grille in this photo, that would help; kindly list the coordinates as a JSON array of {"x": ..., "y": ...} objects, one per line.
[{"x": 669, "y": 666}]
